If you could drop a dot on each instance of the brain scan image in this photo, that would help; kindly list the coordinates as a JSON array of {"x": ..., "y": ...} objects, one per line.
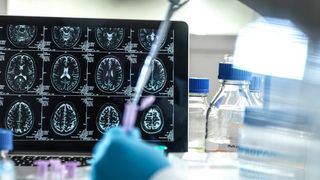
[
  {"x": 20, "y": 72},
  {"x": 109, "y": 74},
  {"x": 157, "y": 78},
  {"x": 65, "y": 73},
  {"x": 66, "y": 36},
  {"x": 64, "y": 119},
  {"x": 19, "y": 118},
  {"x": 109, "y": 38},
  {"x": 21, "y": 35},
  {"x": 108, "y": 117},
  {"x": 152, "y": 120},
  {"x": 147, "y": 37}
]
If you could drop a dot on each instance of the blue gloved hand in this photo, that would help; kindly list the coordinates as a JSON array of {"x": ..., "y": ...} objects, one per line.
[{"x": 120, "y": 155}]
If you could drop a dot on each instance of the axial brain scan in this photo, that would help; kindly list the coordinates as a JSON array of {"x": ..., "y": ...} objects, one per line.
[
  {"x": 65, "y": 73},
  {"x": 20, "y": 72},
  {"x": 157, "y": 78},
  {"x": 109, "y": 74},
  {"x": 152, "y": 120},
  {"x": 65, "y": 119},
  {"x": 66, "y": 36},
  {"x": 19, "y": 118},
  {"x": 21, "y": 35},
  {"x": 109, "y": 38},
  {"x": 147, "y": 37},
  {"x": 64, "y": 82},
  {"x": 108, "y": 117}
]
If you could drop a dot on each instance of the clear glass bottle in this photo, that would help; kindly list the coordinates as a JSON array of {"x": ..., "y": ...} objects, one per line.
[
  {"x": 273, "y": 145},
  {"x": 7, "y": 170},
  {"x": 198, "y": 105},
  {"x": 256, "y": 95},
  {"x": 226, "y": 110}
]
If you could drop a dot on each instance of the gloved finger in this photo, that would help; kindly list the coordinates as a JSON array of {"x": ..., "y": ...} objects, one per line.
[
  {"x": 104, "y": 142},
  {"x": 102, "y": 146},
  {"x": 115, "y": 132},
  {"x": 134, "y": 134}
]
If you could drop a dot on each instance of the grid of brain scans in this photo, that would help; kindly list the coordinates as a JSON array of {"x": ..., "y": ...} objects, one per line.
[{"x": 69, "y": 82}]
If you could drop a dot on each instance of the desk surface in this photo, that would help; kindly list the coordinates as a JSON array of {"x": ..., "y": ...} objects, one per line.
[
  {"x": 196, "y": 166},
  {"x": 207, "y": 165}
]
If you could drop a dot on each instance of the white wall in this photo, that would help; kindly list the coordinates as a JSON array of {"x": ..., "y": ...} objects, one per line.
[
  {"x": 203, "y": 16},
  {"x": 205, "y": 54},
  {"x": 3, "y": 7}
]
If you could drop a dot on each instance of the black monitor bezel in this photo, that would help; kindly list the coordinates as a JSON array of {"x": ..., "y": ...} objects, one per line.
[{"x": 181, "y": 54}]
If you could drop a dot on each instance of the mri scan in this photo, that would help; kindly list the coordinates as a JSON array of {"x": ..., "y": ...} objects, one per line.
[
  {"x": 19, "y": 118},
  {"x": 109, "y": 38},
  {"x": 109, "y": 74},
  {"x": 65, "y": 73},
  {"x": 64, "y": 119},
  {"x": 20, "y": 72},
  {"x": 66, "y": 36},
  {"x": 152, "y": 120},
  {"x": 68, "y": 79},
  {"x": 157, "y": 78},
  {"x": 21, "y": 35},
  {"x": 108, "y": 117},
  {"x": 147, "y": 37}
]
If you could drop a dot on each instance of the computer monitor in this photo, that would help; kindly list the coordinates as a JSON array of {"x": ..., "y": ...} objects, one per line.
[{"x": 64, "y": 81}]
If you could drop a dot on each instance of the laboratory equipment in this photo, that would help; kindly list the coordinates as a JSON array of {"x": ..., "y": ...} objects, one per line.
[
  {"x": 131, "y": 108},
  {"x": 256, "y": 91},
  {"x": 7, "y": 169},
  {"x": 42, "y": 169},
  {"x": 71, "y": 168},
  {"x": 226, "y": 110},
  {"x": 83, "y": 71},
  {"x": 198, "y": 106},
  {"x": 303, "y": 94},
  {"x": 273, "y": 144},
  {"x": 55, "y": 169}
]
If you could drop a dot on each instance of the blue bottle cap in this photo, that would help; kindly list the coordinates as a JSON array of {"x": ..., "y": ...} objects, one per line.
[
  {"x": 255, "y": 83},
  {"x": 198, "y": 85},
  {"x": 227, "y": 72},
  {"x": 6, "y": 140}
]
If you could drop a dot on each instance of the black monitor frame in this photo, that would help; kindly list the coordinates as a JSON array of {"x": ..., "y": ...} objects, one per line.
[{"x": 178, "y": 34}]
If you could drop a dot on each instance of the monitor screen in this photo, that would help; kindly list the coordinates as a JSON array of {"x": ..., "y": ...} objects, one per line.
[{"x": 64, "y": 81}]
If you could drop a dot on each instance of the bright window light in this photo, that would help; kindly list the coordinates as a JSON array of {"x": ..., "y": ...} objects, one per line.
[{"x": 272, "y": 47}]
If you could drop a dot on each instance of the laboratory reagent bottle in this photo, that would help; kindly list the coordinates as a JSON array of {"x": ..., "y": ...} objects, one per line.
[
  {"x": 226, "y": 110},
  {"x": 256, "y": 95},
  {"x": 7, "y": 170},
  {"x": 198, "y": 105},
  {"x": 273, "y": 145}
]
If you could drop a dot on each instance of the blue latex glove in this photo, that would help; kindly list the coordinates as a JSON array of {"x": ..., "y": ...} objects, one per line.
[{"x": 120, "y": 155}]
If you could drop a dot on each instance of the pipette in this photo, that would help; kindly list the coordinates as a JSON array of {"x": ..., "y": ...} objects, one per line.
[{"x": 132, "y": 108}]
